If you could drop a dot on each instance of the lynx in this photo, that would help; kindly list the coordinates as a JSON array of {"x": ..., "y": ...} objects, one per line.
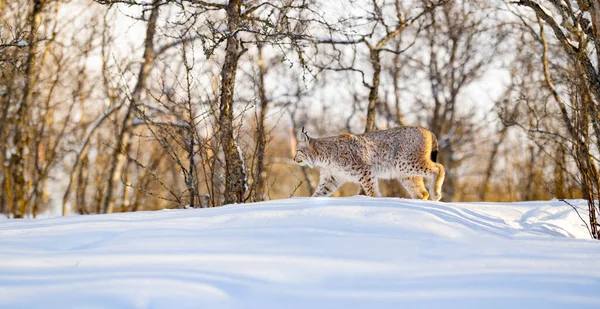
[{"x": 406, "y": 153}]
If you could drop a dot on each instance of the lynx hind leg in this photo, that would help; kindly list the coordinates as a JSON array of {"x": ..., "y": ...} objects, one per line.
[
  {"x": 327, "y": 185},
  {"x": 434, "y": 171},
  {"x": 415, "y": 187},
  {"x": 437, "y": 179},
  {"x": 369, "y": 184}
]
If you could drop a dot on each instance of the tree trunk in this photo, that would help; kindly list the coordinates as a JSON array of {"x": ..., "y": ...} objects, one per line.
[
  {"x": 530, "y": 174},
  {"x": 118, "y": 156},
  {"x": 374, "y": 89},
  {"x": 127, "y": 190},
  {"x": 446, "y": 159},
  {"x": 559, "y": 174},
  {"x": 82, "y": 153},
  {"x": 491, "y": 163},
  {"x": 82, "y": 183},
  {"x": 191, "y": 175},
  {"x": 21, "y": 138},
  {"x": 594, "y": 10},
  {"x": 396, "y": 70},
  {"x": 235, "y": 176},
  {"x": 259, "y": 186}
]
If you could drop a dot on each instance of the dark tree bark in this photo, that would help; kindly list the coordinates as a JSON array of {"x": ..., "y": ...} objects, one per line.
[
  {"x": 373, "y": 89},
  {"x": 235, "y": 175}
]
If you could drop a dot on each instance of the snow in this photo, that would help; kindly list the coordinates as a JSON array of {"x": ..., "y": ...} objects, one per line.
[
  {"x": 22, "y": 43},
  {"x": 547, "y": 11},
  {"x": 355, "y": 252},
  {"x": 588, "y": 16}
]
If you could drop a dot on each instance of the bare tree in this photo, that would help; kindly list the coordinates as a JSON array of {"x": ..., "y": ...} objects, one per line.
[
  {"x": 118, "y": 161},
  {"x": 376, "y": 48},
  {"x": 235, "y": 177},
  {"x": 261, "y": 134},
  {"x": 382, "y": 29},
  {"x": 577, "y": 35},
  {"x": 456, "y": 58},
  {"x": 22, "y": 136}
]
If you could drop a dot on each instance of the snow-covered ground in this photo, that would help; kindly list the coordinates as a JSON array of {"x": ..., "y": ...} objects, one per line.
[{"x": 354, "y": 252}]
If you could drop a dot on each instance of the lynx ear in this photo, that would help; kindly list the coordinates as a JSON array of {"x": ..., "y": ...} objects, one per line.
[{"x": 304, "y": 136}]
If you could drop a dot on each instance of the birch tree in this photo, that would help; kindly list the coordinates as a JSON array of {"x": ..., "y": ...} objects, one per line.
[{"x": 574, "y": 26}]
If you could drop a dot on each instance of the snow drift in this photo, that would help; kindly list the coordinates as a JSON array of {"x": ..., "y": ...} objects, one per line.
[{"x": 353, "y": 252}]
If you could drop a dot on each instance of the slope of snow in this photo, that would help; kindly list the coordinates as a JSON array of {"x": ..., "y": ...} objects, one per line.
[{"x": 353, "y": 252}]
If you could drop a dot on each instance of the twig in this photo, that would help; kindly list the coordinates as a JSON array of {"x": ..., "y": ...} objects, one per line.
[
  {"x": 577, "y": 211},
  {"x": 296, "y": 188},
  {"x": 572, "y": 206}
]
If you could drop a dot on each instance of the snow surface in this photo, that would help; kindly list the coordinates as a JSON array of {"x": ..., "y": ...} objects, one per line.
[{"x": 353, "y": 252}]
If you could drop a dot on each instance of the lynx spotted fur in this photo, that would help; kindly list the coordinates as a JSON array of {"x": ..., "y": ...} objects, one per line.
[{"x": 406, "y": 153}]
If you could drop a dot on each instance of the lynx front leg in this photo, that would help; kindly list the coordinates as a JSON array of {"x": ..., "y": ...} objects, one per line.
[
  {"x": 327, "y": 185},
  {"x": 369, "y": 184}
]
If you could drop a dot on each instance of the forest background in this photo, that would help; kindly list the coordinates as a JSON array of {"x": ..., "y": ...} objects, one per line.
[{"x": 126, "y": 105}]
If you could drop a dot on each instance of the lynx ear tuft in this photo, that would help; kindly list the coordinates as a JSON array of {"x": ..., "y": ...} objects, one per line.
[{"x": 304, "y": 136}]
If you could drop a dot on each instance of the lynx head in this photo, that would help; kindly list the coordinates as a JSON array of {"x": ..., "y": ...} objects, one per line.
[{"x": 304, "y": 150}]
